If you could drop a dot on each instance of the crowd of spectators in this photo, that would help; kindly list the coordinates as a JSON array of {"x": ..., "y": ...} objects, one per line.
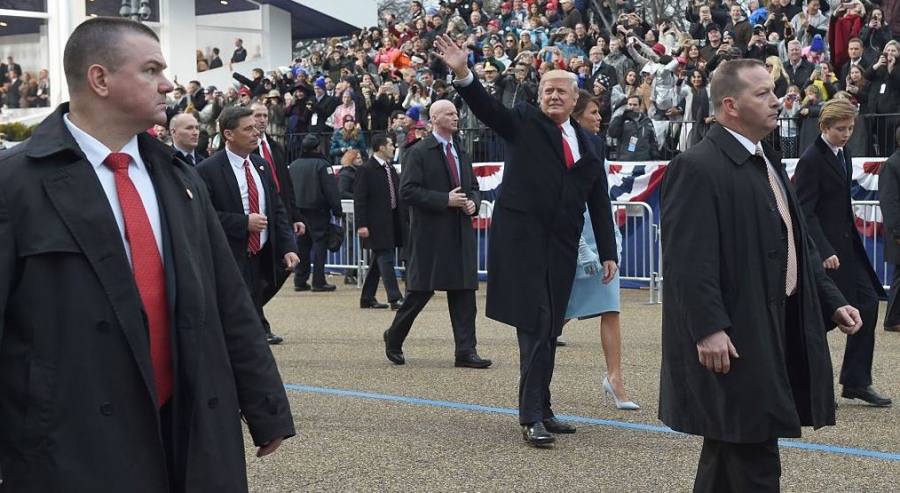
[
  {"x": 650, "y": 74},
  {"x": 20, "y": 89}
]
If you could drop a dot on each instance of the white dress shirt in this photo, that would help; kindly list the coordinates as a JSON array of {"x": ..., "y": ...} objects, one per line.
[
  {"x": 751, "y": 148},
  {"x": 237, "y": 166},
  {"x": 96, "y": 153}
]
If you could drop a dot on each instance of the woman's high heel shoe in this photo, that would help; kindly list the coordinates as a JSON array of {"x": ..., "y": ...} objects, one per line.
[{"x": 626, "y": 405}]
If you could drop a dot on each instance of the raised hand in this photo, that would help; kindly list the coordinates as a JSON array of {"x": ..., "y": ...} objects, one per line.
[{"x": 455, "y": 57}]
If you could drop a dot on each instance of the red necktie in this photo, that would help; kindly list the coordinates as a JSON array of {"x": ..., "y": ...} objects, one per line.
[
  {"x": 454, "y": 170},
  {"x": 567, "y": 151},
  {"x": 268, "y": 156},
  {"x": 253, "y": 197},
  {"x": 149, "y": 274}
]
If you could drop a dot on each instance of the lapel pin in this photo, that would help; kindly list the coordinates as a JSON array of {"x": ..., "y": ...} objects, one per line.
[
  {"x": 261, "y": 168},
  {"x": 189, "y": 194}
]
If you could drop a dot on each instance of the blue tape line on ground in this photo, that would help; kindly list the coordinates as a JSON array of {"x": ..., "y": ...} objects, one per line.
[{"x": 579, "y": 419}]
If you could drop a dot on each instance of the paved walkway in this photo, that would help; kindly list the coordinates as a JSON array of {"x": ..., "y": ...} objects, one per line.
[{"x": 366, "y": 425}]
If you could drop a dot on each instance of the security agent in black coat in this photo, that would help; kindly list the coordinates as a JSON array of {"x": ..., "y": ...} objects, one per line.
[
  {"x": 442, "y": 194},
  {"x": 278, "y": 250},
  {"x": 317, "y": 198},
  {"x": 380, "y": 221},
  {"x": 537, "y": 222},
  {"x": 764, "y": 364},
  {"x": 823, "y": 178},
  {"x": 889, "y": 198}
]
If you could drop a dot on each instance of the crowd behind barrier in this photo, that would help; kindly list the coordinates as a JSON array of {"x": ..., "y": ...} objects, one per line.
[{"x": 638, "y": 222}]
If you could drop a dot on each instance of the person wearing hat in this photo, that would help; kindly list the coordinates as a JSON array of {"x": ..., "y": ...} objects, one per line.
[
  {"x": 317, "y": 197},
  {"x": 713, "y": 42},
  {"x": 759, "y": 47},
  {"x": 245, "y": 97},
  {"x": 572, "y": 15},
  {"x": 322, "y": 107}
]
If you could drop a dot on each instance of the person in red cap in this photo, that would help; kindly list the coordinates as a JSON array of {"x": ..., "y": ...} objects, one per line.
[{"x": 245, "y": 97}]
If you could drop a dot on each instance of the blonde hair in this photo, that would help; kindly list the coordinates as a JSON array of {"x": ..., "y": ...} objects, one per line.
[
  {"x": 349, "y": 156},
  {"x": 836, "y": 110}
]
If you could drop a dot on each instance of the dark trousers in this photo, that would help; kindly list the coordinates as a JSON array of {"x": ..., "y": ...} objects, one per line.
[
  {"x": 312, "y": 250},
  {"x": 462, "y": 317},
  {"x": 537, "y": 357},
  {"x": 892, "y": 317},
  {"x": 856, "y": 370},
  {"x": 253, "y": 269},
  {"x": 738, "y": 467},
  {"x": 381, "y": 263}
]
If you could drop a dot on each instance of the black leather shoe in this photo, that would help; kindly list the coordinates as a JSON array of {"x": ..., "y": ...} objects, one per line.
[
  {"x": 472, "y": 361},
  {"x": 395, "y": 355},
  {"x": 537, "y": 435},
  {"x": 867, "y": 394},
  {"x": 560, "y": 343},
  {"x": 274, "y": 338},
  {"x": 303, "y": 287},
  {"x": 350, "y": 280},
  {"x": 892, "y": 328},
  {"x": 395, "y": 305},
  {"x": 371, "y": 304},
  {"x": 554, "y": 425},
  {"x": 323, "y": 288}
]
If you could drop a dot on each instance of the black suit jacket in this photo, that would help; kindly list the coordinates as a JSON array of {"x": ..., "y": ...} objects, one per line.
[
  {"x": 538, "y": 217},
  {"x": 864, "y": 64},
  {"x": 78, "y": 346},
  {"x": 226, "y": 200},
  {"x": 823, "y": 187},
  {"x": 800, "y": 76},
  {"x": 372, "y": 206}
]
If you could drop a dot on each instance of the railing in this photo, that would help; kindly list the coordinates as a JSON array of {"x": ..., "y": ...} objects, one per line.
[
  {"x": 639, "y": 266},
  {"x": 641, "y": 261}
]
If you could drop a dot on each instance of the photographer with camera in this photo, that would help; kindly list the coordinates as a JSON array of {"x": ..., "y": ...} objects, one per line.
[
  {"x": 634, "y": 130},
  {"x": 875, "y": 33}
]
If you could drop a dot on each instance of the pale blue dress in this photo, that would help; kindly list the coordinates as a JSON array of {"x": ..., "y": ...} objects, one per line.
[{"x": 590, "y": 297}]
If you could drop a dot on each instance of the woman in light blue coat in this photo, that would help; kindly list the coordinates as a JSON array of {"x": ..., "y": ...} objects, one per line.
[{"x": 590, "y": 297}]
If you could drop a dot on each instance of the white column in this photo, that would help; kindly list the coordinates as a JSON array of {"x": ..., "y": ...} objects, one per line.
[
  {"x": 276, "y": 36},
  {"x": 65, "y": 15},
  {"x": 178, "y": 37}
]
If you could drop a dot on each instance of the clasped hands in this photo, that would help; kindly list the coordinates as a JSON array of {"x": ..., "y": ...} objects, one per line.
[
  {"x": 459, "y": 200},
  {"x": 716, "y": 350}
]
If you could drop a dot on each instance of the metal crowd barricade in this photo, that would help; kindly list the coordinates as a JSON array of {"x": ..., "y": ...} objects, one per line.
[
  {"x": 641, "y": 254},
  {"x": 641, "y": 258},
  {"x": 868, "y": 213}
]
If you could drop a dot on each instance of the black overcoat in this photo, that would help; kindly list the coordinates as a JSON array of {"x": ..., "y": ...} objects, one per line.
[
  {"x": 77, "y": 410},
  {"x": 538, "y": 217},
  {"x": 823, "y": 189},
  {"x": 724, "y": 262},
  {"x": 889, "y": 198},
  {"x": 443, "y": 252},
  {"x": 372, "y": 207}
]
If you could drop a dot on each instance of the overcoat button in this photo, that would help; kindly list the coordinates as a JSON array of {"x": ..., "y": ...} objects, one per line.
[
  {"x": 103, "y": 326},
  {"x": 106, "y": 409},
  {"x": 213, "y": 403}
]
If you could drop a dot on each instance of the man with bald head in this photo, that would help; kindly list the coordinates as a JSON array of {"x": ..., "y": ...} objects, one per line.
[
  {"x": 441, "y": 191},
  {"x": 551, "y": 172},
  {"x": 185, "y": 132}
]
